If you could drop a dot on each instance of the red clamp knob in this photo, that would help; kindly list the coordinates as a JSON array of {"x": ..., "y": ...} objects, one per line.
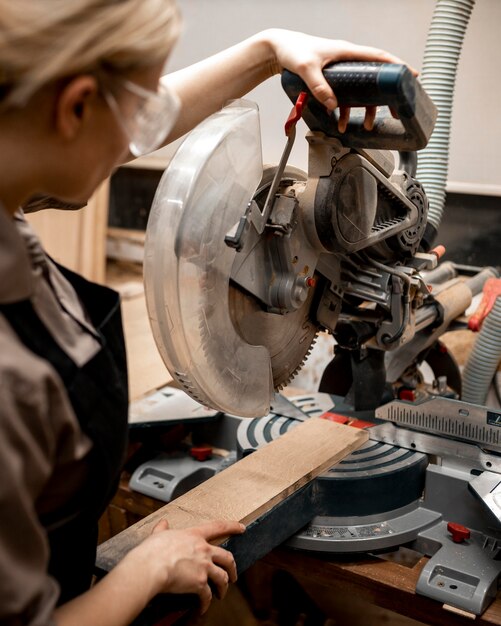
[
  {"x": 409, "y": 395},
  {"x": 335, "y": 417},
  {"x": 201, "y": 453},
  {"x": 492, "y": 289},
  {"x": 459, "y": 533},
  {"x": 438, "y": 251}
]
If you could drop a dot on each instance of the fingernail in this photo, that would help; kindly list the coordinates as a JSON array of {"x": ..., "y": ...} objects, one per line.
[
  {"x": 330, "y": 104},
  {"x": 243, "y": 527}
]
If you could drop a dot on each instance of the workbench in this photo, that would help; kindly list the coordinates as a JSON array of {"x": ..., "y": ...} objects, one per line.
[
  {"x": 384, "y": 583},
  {"x": 377, "y": 581}
]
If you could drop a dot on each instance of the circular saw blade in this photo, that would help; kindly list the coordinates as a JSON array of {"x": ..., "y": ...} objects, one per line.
[
  {"x": 288, "y": 338},
  {"x": 203, "y": 193}
]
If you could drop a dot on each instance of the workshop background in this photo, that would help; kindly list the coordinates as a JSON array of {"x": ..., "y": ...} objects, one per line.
[
  {"x": 400, "y": 27},
  {"x": 78, "y": 239},
  {"x": 471, "y": 229}
]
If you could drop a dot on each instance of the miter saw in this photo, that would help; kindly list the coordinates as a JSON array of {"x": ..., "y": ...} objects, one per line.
[{"x": 243, "y": 269}]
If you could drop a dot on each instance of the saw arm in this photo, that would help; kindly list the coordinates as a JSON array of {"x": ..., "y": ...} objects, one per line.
[{"x": 243, "y": 270}]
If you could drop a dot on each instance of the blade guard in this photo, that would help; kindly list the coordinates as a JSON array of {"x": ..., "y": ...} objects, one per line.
[{"x": 202, "y": 194}]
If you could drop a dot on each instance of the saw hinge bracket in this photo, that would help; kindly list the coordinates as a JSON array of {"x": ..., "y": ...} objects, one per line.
[{"x": 234, "y": 238}]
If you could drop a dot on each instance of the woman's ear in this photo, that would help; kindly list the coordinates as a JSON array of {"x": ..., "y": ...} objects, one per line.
[{"x": 74, "y": 104}]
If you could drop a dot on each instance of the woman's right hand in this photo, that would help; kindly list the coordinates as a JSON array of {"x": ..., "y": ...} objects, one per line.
[{"x": 183, "y": 561}]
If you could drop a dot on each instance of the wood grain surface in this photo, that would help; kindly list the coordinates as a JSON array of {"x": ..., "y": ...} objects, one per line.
[
  {"x": 147, "y": 371},
  {"x": 77, "y": 239},
  {"x": 251, "y": 487},
  {"x": 383, "y": 583}
]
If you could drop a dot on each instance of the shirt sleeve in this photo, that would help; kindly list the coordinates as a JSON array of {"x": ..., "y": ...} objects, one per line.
[{"x": 38, "y": 434}]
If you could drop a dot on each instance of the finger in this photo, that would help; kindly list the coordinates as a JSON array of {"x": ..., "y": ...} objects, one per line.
[
  {"x": 355, "y": 52},
  {"x": 344, "y": 118},
  {"x": 319, "y": 87},
  {"x": 225, "y": 559},
  {"x": 220, "y": 580},
  {"x": 370, "y": 116},
  {"x": 219, "y": 528},
  {"x": 161, "y": 526},
  {"x": 205, "y": 596}
]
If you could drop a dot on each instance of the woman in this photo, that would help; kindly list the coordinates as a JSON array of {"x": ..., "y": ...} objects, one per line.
[{"x": 79, "y": 93}]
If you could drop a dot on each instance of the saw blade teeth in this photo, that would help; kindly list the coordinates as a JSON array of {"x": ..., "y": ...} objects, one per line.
[{"x": 293, "y": 374}]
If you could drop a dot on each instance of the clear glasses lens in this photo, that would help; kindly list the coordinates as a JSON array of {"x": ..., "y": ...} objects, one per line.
[{"x": 152, "y": 122}]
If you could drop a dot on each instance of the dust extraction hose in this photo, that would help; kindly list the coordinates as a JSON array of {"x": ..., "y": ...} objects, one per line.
[
  {"x": 441, "y": 57},
  {"x": 484, "y": 358},
  {"x": 443, "y": 48}
]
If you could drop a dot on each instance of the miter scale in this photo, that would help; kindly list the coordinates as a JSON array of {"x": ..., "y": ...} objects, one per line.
[{"x": 243, "y": 269}]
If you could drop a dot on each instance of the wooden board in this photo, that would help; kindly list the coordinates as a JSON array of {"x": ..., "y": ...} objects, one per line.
[
  {"x": 125, "y": 244},
  {"x": 251, "y": 488},
  {"x": 147, "y": 371}
]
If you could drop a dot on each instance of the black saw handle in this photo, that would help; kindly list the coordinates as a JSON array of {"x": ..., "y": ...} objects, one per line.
[{"x": 360, "y": 84}]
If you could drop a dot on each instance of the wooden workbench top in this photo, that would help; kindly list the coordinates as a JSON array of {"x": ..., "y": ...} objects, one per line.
[{"x": 387, "y": 584}]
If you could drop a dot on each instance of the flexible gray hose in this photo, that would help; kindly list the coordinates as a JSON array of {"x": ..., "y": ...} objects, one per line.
[
  {"x": 441, "y": 57},
  {"x": 484, "y": 358}
]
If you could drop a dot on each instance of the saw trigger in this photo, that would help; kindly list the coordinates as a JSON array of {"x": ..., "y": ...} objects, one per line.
[{"x": 296, "y": 112}]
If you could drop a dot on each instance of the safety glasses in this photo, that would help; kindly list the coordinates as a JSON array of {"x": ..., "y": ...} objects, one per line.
[{"x": 153, "y": 119}]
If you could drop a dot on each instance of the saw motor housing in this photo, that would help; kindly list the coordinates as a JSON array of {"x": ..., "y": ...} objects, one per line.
[{"x": 327, "y": 232}]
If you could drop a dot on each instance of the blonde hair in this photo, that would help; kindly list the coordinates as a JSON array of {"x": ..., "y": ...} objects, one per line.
[{"x": 44, "y": 40}]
